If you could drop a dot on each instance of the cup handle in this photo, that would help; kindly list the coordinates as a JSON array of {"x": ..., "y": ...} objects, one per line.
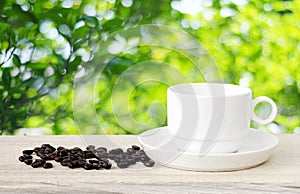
[{"x": 272, "y": 115}]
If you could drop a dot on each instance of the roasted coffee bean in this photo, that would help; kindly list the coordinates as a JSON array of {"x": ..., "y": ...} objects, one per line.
[
  {"x": 117, "y": 160},
  {"x": 145, "y": 158},
  {"x": 90, "y": 155},
  {"x": 70, "y": 165},
  {"x": 135, "y": 147},
  {"x": 53, "y": 155},
  {"x": 48, "y": 151},
  {"x": 72, "y": 151},
  {"x": 27, "y": 156},
  {"x": 107, "y": 166},
  {"x": 122, "y": 164},
  {"x": 111, "y": 156},
  {"x": 45, "y": 157},
  {"x": 104, "y": 160},
  {"x": 116, "y": 151},
  {"x": 136, "y": 157},
  {"x": 131, "y": 161},
  {"x": 141, "y": 152},
  {"x": 76, "y": 164},
  {"x": 131, "y": 151},
  {"x": 94, "y": 161},
  {"x": 63, "y": 153},
  {"x": 27, "y": 152},
  {"x": 28, "y": 161},
  {"x": 37, "y": 149},
  {"x": 65, "y": 162},
  {"x": 37, "y": 163},
  {"x": 97, "y": 166},
  {"x": 47, "y": 165},
  {"x": 60, "y": 148},
  {"x": 102, "y": 155},
  {"x": 90, "y": 147},
  {"x": 88, "y": 166},
  {"x": 21, "y": 158},
  {"x": 45, "y": 146},
  {"x": 81, "y": 163},
  {"x": 66, "y": 158},
  {"x": 149, "y": 163},
  {"x": 81, "y": 154},
  {"x": 77, "y": 149},
  {"x": 74, "y": 157},
  {"x": 102, "y": 149},
  {"x": 58, "y": 159}
]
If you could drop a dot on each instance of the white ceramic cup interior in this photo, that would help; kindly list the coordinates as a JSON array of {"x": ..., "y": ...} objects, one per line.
[{"x": 212, "y": 117}]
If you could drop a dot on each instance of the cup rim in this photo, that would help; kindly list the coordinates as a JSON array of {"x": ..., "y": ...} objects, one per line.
[{"x": 242, "y": 91}]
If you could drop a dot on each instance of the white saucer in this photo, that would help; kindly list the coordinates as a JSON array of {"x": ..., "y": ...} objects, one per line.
[{"x": 256, "y": 149}]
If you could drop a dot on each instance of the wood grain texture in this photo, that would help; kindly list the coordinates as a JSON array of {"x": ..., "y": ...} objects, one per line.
[{"x": 280, "y": 174}]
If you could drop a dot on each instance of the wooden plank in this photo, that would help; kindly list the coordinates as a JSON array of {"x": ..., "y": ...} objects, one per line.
[{"x": 280, "y": 174}]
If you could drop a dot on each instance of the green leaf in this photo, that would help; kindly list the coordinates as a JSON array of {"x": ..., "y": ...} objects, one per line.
[
  {"x": 16, "y": 60},
  {"x": 80, "y": 33},
  {"x": 74, "y": 64},
  {"x": 37, "y": 65},
  {"x": 113, "y": 25},
  {"x": 26, "y": 83},
  {"x": 6, "y": 78}
]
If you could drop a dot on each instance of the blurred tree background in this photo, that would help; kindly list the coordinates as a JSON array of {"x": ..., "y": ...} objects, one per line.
[{"x": 44, "y": 44}]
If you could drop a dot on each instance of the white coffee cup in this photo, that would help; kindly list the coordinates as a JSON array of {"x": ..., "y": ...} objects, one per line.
[{"x": 212, "y": 117}]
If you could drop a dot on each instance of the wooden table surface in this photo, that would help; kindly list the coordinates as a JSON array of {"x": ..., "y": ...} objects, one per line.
[{"x": 281, "y": 173}]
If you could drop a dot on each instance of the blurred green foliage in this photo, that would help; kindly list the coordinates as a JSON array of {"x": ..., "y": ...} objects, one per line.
[{"x": 44, "y": 43}]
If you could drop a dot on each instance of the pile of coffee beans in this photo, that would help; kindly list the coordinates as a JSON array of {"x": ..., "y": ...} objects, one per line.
[{"x": 89, "y": 159}]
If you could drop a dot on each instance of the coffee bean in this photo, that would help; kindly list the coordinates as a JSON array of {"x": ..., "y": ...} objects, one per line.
[
  {"x": 37, "y": 149},
  {"x": 131, "y": 161},
  {"x": 104, "y": 160},
  {"x": 37, "y": 163},
  {"x": 80, "y": 154},
  {"x": 81, "y": 163},
  {"x": 136, "y": 157},
  {"x": 60, "y": 148},
  {"x": 122, "y": 164},
  {"x": 53, "y": 155},
  {"x": 88, "y": 166},
  {"x": 97, "y": 166},
  {"x": 89, "y": 155},
  {"x": 116, "y": 151},
  {"x": 145, "y": 158},
  {"x": 107, "y": 166},
  {"x": 48, "y": 151},
  {"x": 47, "y": 165},
  {"x": 94, "y": 161},
  {"x": 149, "y": 163},
  {"x": 70, "y": 165},
  {"x": 102, "y": 149},
  {"x": 74, "y": 157},
  {"x": 58, "y": 159},
  {"x": 63, "y": 153},
  {"x": 27, "y": 152},
  {"x": 76, "y": 164},
  {"x": 28, "y": 161},
  {"x": 27, "y": 156},
  {"x": 90, "y": 147},
  {"x": 135, "y": 147},
  {"x": 45, "y": 157},
  {"x": 130, "y": 151},
  {"x": 77, "y": 149},
  {"x": 65, "y": 162},
  {"x": 21, "y": 158},
  {"x": 102, "y": 155}
]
